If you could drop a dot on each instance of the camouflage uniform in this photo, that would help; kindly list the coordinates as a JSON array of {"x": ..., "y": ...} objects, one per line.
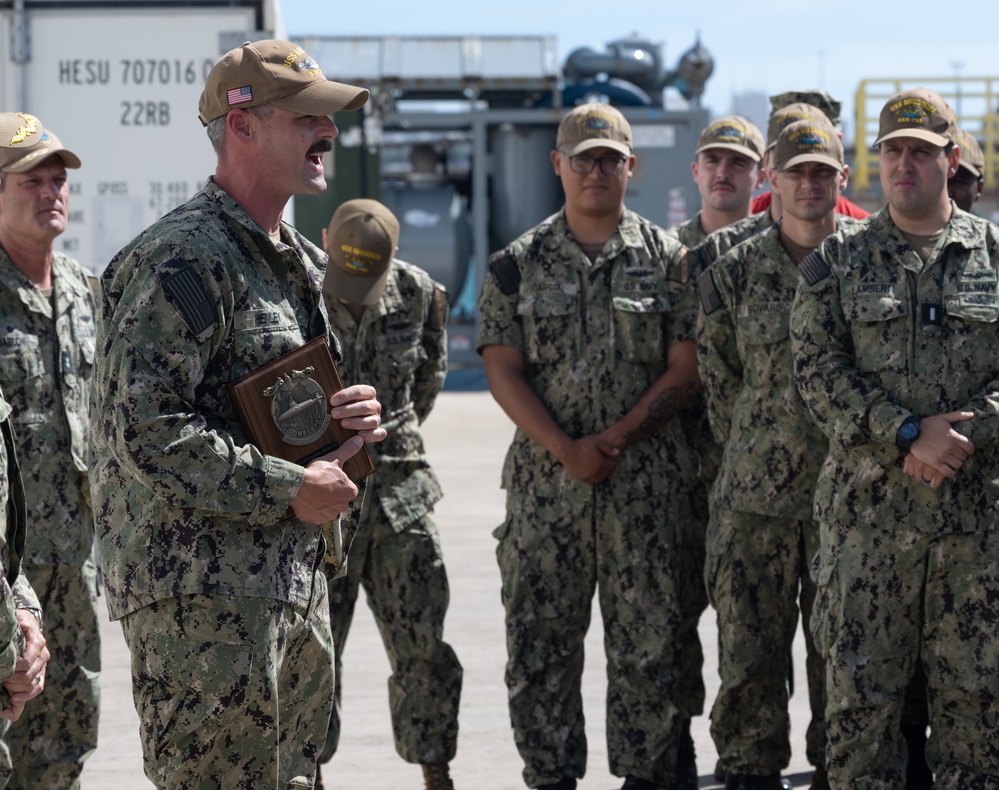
[
  {"x": 694, "y": 598},
  {"x": 400, "y": 347},
  {"x": 907, "y": 574},
  {"x": 762, "y": 538},
  {"x": 15, "y": 590},
  {"x": 222, "y": 602},
  {"x": 722, "y": 240},
  {"x": 46, "y": 356},
  {"x": 595, "y": 338}
]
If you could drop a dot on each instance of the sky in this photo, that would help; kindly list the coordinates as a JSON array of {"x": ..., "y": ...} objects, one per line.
[{"x": 769, "y": 46}]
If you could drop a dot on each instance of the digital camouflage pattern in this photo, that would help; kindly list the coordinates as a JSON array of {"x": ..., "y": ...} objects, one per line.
[
  {"x": 707, "y": 454},
  {"x": 772, "y": 454},
  {"x": 754, "y": 566},
  {"x": 15, "y": 590},
  {"x": 773, "y": 448},
  {"x": 400, "y": 347},
  {"x": 46, "y": 359},
  {"x": 233, "y": 691},
  {"x": 594, "y": 338},
  {"x": 722, "y": 240},
  {"x": 184, "y": 504},
  {"x": 946, "y": 363},
  {"x": 878, "y": 335},
  {"x": 57, "y": 731}
]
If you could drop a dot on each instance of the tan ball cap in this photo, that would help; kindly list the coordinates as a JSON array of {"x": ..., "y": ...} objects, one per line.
[
  {"x": 593, "y": 125},
  {"x": 734, "y": 133},
  {"x": 361, "y": 242},
  {"x": 274, "y": 72},
  {"x": 972, "y": 158},
  {"x": 19, "y": 130},
  {"x": 814, "y": 140},
  {"x": 30, "y": 148},
  {"x": 788, "y": 114},
  {"x": 815, "y": 98},
  {"x": 919, "y": 113}
]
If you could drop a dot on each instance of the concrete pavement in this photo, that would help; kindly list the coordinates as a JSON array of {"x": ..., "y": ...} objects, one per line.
[{"x": 467, "y": 436}]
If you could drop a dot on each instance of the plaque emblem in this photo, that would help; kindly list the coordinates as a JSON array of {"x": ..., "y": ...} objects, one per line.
[{"x": 298, "y": 406}]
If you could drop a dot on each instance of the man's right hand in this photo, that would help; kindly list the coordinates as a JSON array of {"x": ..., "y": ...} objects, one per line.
[
  {"x": 327, "y": 491},
  {"x": 591, "y": 459},
  {"x": 940, "y": 446}
]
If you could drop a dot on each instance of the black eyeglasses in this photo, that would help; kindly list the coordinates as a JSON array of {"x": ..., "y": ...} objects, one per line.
[{"x": 609, "y": 165}]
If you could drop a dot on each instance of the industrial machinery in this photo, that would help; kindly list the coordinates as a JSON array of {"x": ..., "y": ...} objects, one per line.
[{"x": 457, "y": 136}]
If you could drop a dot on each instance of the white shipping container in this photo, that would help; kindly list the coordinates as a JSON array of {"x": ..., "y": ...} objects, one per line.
[{"x": 119, "y": 85}]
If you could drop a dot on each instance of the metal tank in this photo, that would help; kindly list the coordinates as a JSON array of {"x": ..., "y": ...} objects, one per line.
[
  {"x": 524, "y": 189},
  {"x": 434, "y": 231}
]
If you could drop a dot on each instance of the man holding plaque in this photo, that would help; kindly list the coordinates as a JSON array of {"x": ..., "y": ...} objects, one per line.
[
  {"x": 212, "y": 551},
  {"x": 586, "y": 335},
  {"x": 391, "y": 318}
]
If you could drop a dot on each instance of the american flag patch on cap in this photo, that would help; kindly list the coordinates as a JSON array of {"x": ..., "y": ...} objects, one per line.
[{"x": 240, "y": 95}]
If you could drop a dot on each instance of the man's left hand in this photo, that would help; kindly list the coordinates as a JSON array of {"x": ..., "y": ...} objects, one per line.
[
  {"x": 357, "y": 408},
  {"x": 28, "y": 680}
]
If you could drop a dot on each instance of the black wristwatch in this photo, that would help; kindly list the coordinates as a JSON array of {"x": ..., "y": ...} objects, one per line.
[{"x": 907, "y": 433}]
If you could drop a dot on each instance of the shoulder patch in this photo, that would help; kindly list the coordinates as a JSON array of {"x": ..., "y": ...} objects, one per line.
[
  {"x": 679, "y": 270},
  {"x": 814, "y": 269},
  {"x": 185, "y": 291},
  {"x": 710, "y": 298},
  {"x": 507, "y": 274},
  {"x": 438, "y": 309}
]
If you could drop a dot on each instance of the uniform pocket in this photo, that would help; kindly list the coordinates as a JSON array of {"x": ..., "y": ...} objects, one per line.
[
  {"x": 186, "y": 684},
  {"x": 973, "y": 324},
  {"x": 549, "y": 320},
  {"x": 639, "y": 327},
  {"x": 880, "y": 329},
  {"x": 767, "y": 335}
]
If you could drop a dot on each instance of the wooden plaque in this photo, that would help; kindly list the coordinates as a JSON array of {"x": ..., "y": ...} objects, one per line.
[{"x": 284, "y": 407}]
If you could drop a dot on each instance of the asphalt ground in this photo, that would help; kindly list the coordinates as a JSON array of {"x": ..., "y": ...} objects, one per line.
[{"x": 467, "y": 436}]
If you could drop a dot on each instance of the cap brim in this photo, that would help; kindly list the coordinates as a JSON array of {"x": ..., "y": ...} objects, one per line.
[
  {"x": 359, "y": 290},
  {"x": 919, "y": 134},
  {"x": 820, "y": 158},
  {"x": 597, "y": 142},
  {"x": 324, "y": 97},
  {"x": 971, "y": 169},
  {"x": 34, "y": 157},
  {"x": 731, "y": 147}
]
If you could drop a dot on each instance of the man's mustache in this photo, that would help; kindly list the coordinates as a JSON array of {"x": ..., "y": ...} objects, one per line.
[{"x": 321, "y": 147}]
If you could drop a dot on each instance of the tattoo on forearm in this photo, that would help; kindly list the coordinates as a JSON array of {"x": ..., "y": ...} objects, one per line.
[{"x": 662, "y": 410}]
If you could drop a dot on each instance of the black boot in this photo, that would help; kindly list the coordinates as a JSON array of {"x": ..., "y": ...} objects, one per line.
[
  {"x": 563, "y": 784},
  {"x": 750, "y": 782},
  {"x": 634, "y": 783},
  {"x": 918, "y": 775},
  {"x": 686, "y": 760}
]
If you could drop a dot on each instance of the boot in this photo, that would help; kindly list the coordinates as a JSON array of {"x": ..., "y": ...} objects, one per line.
[
  {"x": 720, "y": 773},
  {"x": 820, "y": 780},
  {"x": 750, "y": 782},
  {"x": 686, "y": 760},
  {"x": 634, "y": 783},
  {"x": 437, "y": 777},
  {"x": 319, "y": 779},
  {"x": 563, "y": 784},
  {"x": 918, "y": 775}
]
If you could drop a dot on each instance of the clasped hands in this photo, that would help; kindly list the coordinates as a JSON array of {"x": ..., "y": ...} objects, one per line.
[{"x": 940, "y": 451}]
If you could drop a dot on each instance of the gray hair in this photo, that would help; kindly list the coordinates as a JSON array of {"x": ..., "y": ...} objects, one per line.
[
  {"x": 216, "y": 133},
  {"x": 216, "y": 128}
]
